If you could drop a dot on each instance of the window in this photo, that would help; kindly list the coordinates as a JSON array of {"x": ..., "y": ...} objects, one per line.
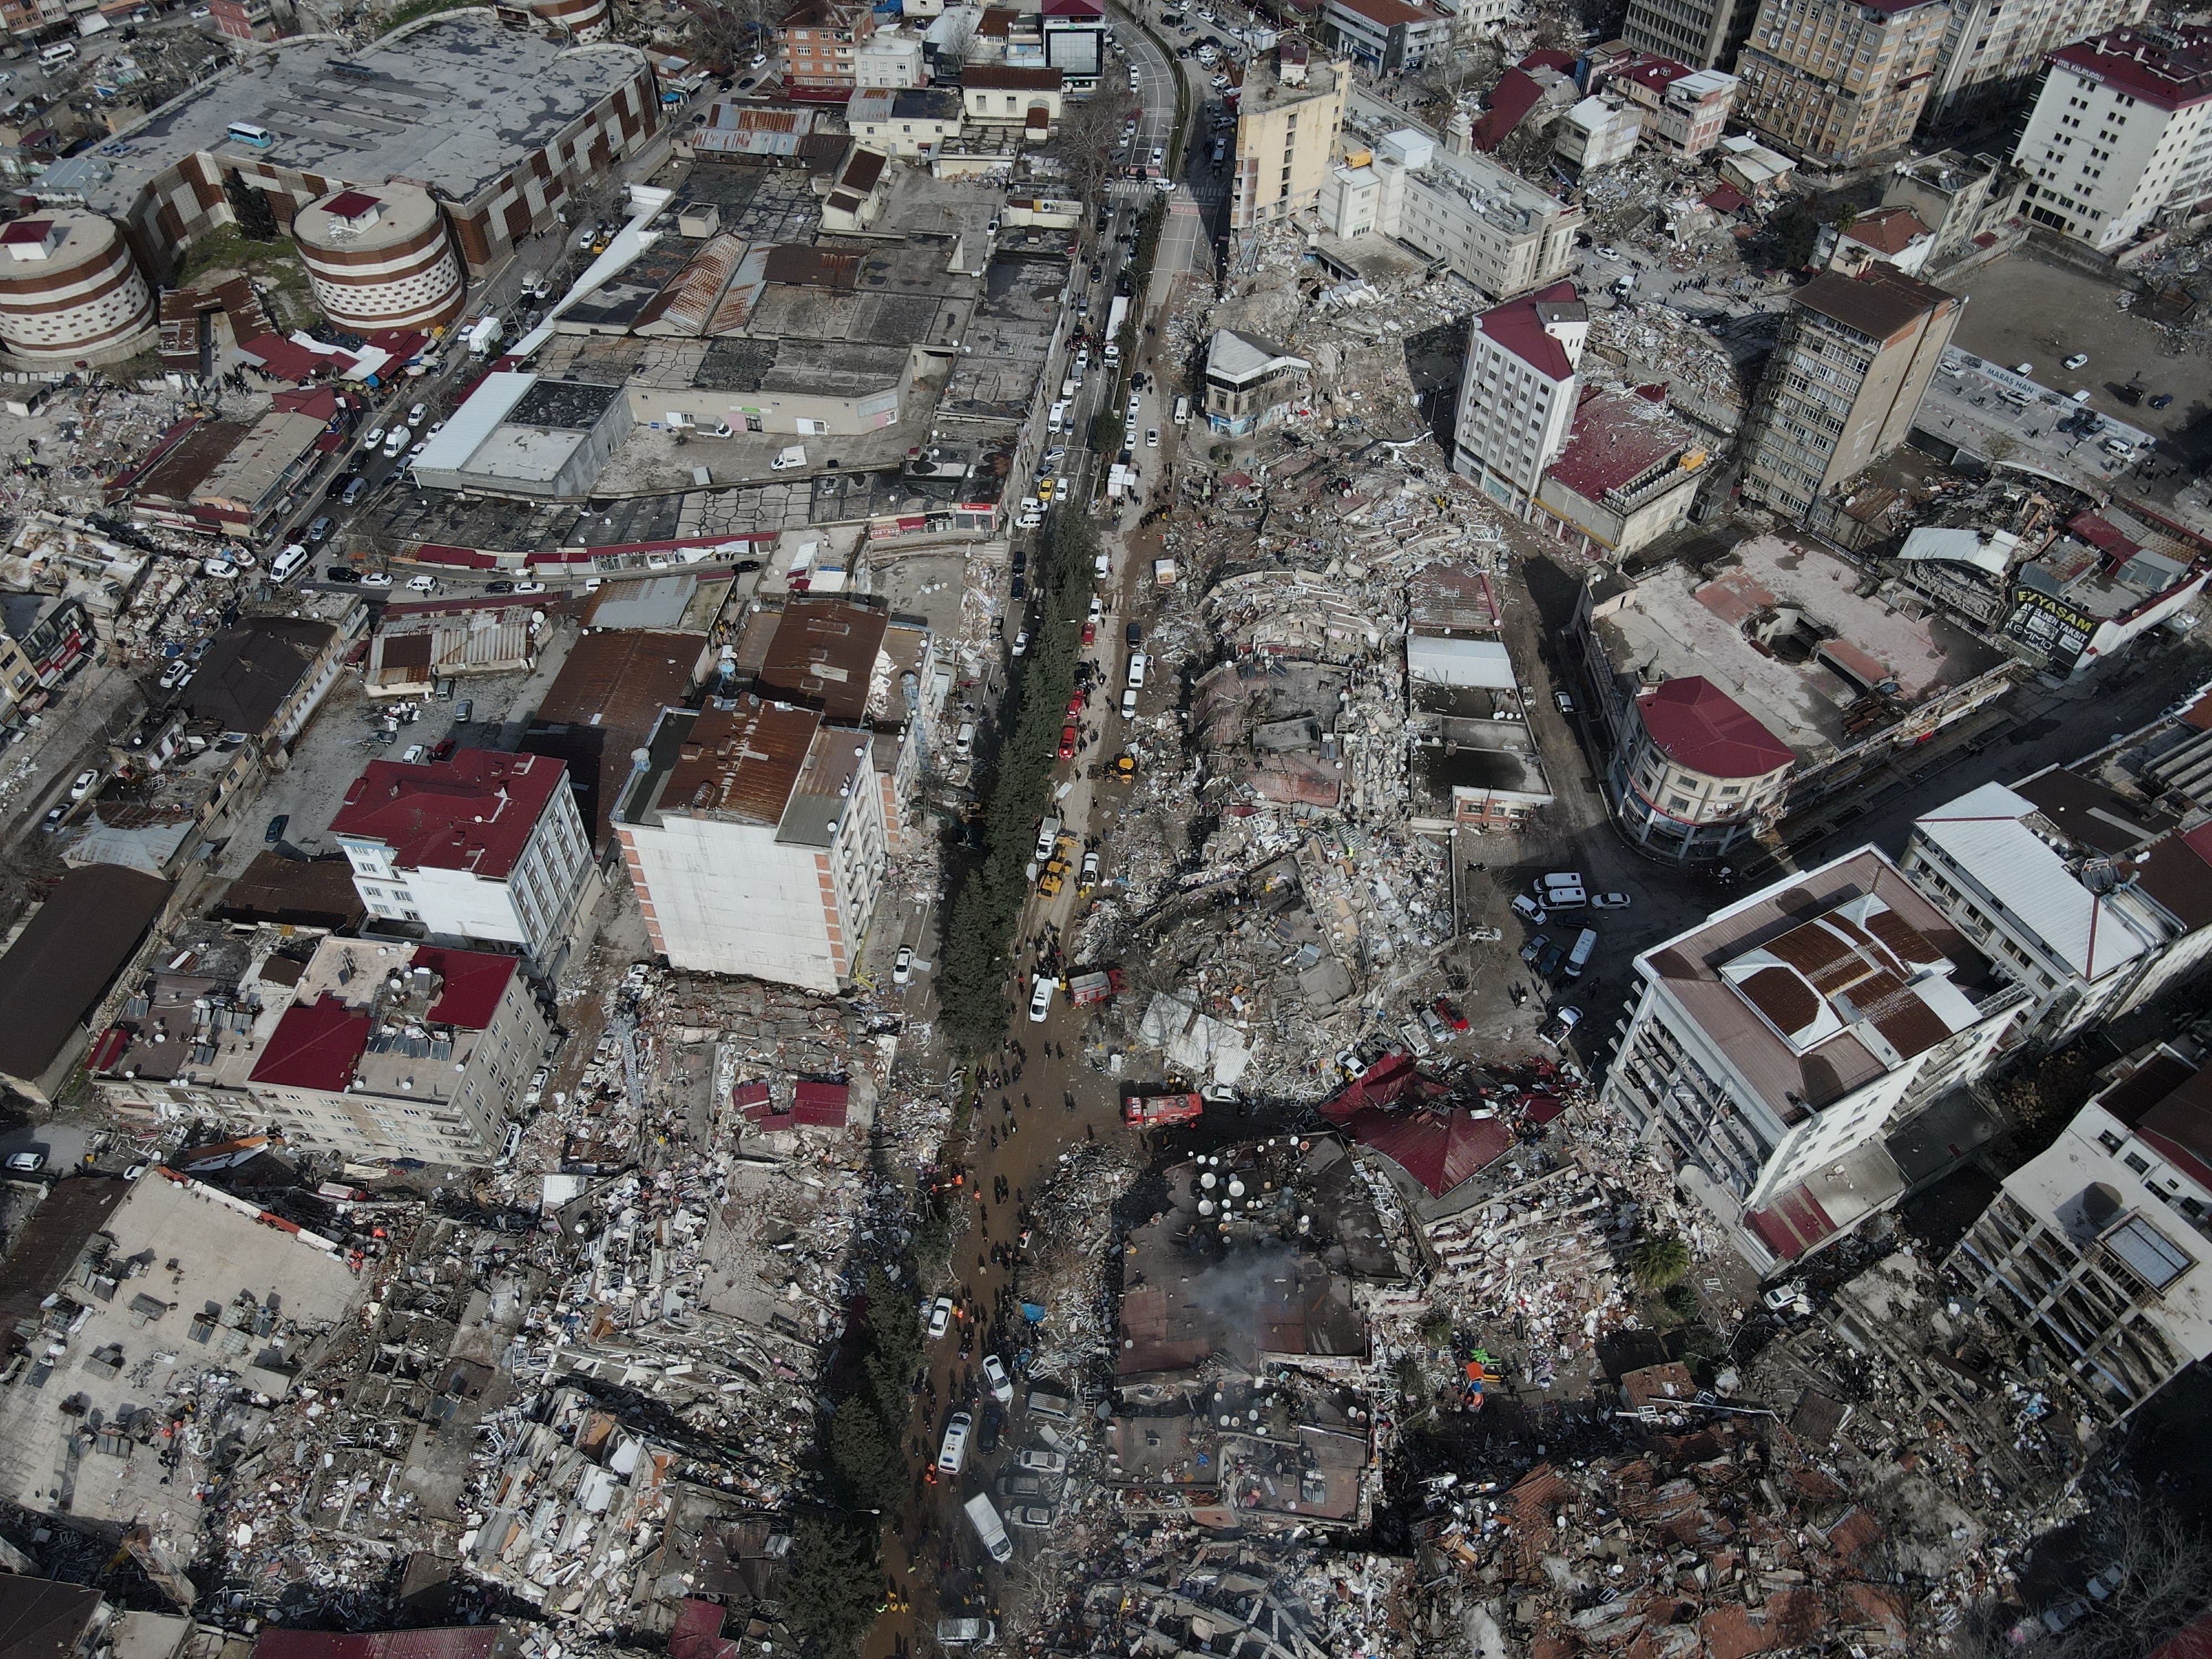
[
  {"x": 2137, "y": 1162},
  {"x": 2111, "y": 1142}
]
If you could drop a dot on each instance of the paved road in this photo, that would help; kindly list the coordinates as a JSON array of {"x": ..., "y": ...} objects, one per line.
[{"x": 1968, "y": 409}]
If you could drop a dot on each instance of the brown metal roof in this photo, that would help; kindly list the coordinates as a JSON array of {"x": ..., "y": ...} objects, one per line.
[
  {"x": 810, "y": 267},
  {"x": 1782, "y": 997},
  {"x": 63, "y": 962},
  {"x": 1879, "y": 304},
  {"x": 999, "y": 77},
  {"x": 824, "y": 654},
  {"x": 742, "y": 762}
]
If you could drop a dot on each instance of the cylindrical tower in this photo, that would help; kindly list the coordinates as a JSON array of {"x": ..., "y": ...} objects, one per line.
[
  {"x": 381, "y": 259},
  {"x": 585, "y": 20},
  {"x": 70, "y": 291}
]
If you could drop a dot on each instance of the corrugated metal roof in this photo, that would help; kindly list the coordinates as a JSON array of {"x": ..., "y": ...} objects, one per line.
[{"x": 744, "y": 762}]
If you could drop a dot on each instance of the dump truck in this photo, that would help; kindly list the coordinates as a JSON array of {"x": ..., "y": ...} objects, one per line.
[
  {"x": 1157, "y": 1111},
  {"x": 984, "y": 1517},
  {"x": 1093, "y": 987}
]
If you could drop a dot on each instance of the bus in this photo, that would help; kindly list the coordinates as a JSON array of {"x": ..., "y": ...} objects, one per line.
[{"x": 244, "y": 132}]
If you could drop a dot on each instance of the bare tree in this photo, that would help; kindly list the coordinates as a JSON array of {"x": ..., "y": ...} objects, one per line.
[
  {"x": 957, "y": 34},
  {"x": 1084, "y": 145},
  {"x": 725, "y": 33}
]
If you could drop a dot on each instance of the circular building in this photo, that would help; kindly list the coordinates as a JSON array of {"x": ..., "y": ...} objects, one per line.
[
  {"x": 585, "y": 20},
  {"x": 70, "y": 291},
  {"x": 381, "y": 259}
]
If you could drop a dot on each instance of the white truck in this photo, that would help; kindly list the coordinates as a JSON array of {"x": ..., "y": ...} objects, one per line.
[
  {"x": 484, "y": 334},
  {"x": 988, "y": 1528}
]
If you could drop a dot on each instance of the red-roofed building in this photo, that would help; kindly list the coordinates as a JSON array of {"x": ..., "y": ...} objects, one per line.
[
  {"x": 1891, "y": 236},
  {"x": 485, "y": 846},
  {"x": 1517, "y": 394},
  {"x": 1628, "y": 475},
  {"x": 1697, "y": 773},
  {"x": 390, "y": 1051},
  {"x": 1686, "y": 110},
  {"x": 2161, "y": 80}
]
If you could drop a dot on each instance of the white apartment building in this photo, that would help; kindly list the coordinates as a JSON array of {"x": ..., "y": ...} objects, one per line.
[
  {"x": 1773, "y": 1045},
  {"x": 754, "y": 832},
  {"x": 2119, "y": 143},
  {"x": 1993, "y": 50},
  {"x": 1517, "y": 396},
  {"x": 485, "y": 846},
  {"x": 1494, "y": 229},
  {"x": 1389, "y": 37},
  {"x": 2097, "y": 1250},
  {"x": 889, "y": 60},
  {"x": 387, "y": 1050},
  {"x": 2092, "y": 917},
  {"x": 1598, "y": 133}
]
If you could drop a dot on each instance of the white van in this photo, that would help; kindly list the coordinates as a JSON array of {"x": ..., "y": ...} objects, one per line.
[
  {"x": 1136, "y": 663},
  {"x": 1041, "y": 999},
  {"x": 1183, "y": 411},
  {"x": 62, "y": 51},
  {"x": 1057, "y": 419},
  {"x": 964, "y": 742},
  {"x": 287, "y": 564},
  {"x": 954, "y": 1452},
  {"x": 1578, "y": 959}
]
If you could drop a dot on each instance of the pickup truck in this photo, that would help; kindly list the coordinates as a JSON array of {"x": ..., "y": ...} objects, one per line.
[{"x": 1157, "y": 1111}]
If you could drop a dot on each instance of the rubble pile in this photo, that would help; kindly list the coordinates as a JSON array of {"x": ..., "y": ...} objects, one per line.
[{"x": 1173, "y": 1592}]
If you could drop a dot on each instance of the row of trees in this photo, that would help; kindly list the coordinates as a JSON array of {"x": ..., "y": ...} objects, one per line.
[{"x": 973, "y": 976}]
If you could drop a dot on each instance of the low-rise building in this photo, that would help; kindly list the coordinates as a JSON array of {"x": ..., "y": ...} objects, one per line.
[
  {"x": 1772, "y": 1045},
  {"x": 1628, "y": 475},
  {"x": 911, "y": 121},
  {"x": 889, "y": 60},
  {"x": 1490, "y": 225},
  {"x": 1685, "y": 110},
  {"x": 392, "y": 1051},
  {"x": 42, "y": 637},
  {"x": 1250, "y": 383},
  {"x": 1389, "y": 37},
  {"x": 64, "y": 966},
  {"x": 1597, "y": 132},
  {"x": 1006, "y": 95},
  {"x": 2119, "y": 143},
  {"x": 2093, "y": 592},
  {"x": 261, "y": 473},
  {"x": 1518, "y": 392},
  {"x": 263, "y": 679},
  {"x": 754, "y": 832},
  {"x": 604, "y": 703},
  {"x": 1891, "y": 236},
  {"x": 2092, "y": 904},
  {"x": 418, "y": 644},
  {"x": 521, "y": 433},
  {"x": 1960, "y": 198},
  {"x": 486, "y": 845},
  {"x": 2097, "y": 1253}
]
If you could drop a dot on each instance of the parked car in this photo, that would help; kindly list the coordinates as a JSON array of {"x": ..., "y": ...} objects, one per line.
[
  {"x": 275, "y": 832},
  {"x": 1561, "y": 1025},
  {"x": 1038, "y": 1460},
  {"x": 1609, "y": 901},
  {"x": 86, "y": 782},
  {"x": 1002, "y": 1387},
  {"x": 902, "y": 966},
  {"x": 1528, "y": 910},
  {"x": 421, "y": 584},
  {"x": 26, "y": 1162},
  {"x": 1565, "y": 703},
  {"x": 2077, "y": 360},
  {"x": 376, "y": 578},
  {"x": 941, "y": 1317}
]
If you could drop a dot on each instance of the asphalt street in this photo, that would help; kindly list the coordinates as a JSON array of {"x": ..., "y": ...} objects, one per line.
[{"x": 1971, "y": 408}]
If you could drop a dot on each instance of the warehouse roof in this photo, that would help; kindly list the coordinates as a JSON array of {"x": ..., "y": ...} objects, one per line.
[{"x": 67, "y": 956}]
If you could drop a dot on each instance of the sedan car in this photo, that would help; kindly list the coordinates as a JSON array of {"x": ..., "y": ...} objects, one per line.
[
  {"x": 376, "y": 578},
  {"x": 941, "y": 1317},
  {"x": 499, "y": 587},
  {"x": 26, "y": 1162},
  {"x": 1034, "y": 1517},
  {"x": 1038, "y": 1460},
  {"x": 275, "y": 832},
  {"x": 1089, "y": 869},
  {"x": 1021, "y": 642},
  {"x": 1609, "y": 901},
  {"x": 343, "y": 575},
  {"x": 2077, "y": 360},
  {"x": 86, "y": 783},
  {"x": 1535, "y": 947},
  {"x": 1151, "y": 437},
  {"x": 994, "y": 1373},
  {"x": 903, "y": 968}
]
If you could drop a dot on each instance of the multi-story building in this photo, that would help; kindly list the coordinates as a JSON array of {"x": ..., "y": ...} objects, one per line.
[
  {"x": 1773, "y": 1045},
  {"x": 1390, "y": 37},
  {"x": 1250, "y": 382},
  {"x": 1288, "y": 114},
  {"x": 2093, "y": 905},
  {"x": 253, "y": 20},
  {"x": 1695, "y": 774},
  {"x": 1833, "y": 81},
  {"x": 388, "y": 1050},
  {"x": 2097, "y": 1253},
  {"x": 381, "y": 259},
  {"x": 1516, "y": 395},
  {"x": 890, "y": 60},
  {"x": 2119, "y": 143},
  {"x": 1853, "y": 360},
  {"x": 1629, "y": 474},
  {"x": 820, "y": 40},
  {"x": 42, "y": 638},
  {"x": 486, "y": 845},
  {"x": 1993, "y": 50},
  {"x": 70, "y": 292},
  {"x": 1597, "y": 132},
  {"x": 1490, "y": 225},
  {"x": 1685, "y": 110},
  {"x": 1702, "y": 33},
  {"x": 754, "y": 832}
]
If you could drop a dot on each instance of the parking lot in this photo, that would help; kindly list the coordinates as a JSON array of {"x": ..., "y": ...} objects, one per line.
[{"x": 2022, "y": 310}]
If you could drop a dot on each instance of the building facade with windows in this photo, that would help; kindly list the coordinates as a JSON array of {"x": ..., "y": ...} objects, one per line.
[
  {"x": 1853, "y": 360},
  {"x": 1696, "y": 775},
  {"x": 1833, "y": 81},
  {"x": 388, "y": 1050},
  {"x": 2097, "y": 1253},
  {"x": 1517, "y": 393},
  {"x": 486, "y": 845},
  {"x": 1772, "y": 1047},
  {"x": 820, "y": 41},
  {"x": 1390, "y": 37},
  {"x": 1250, "y": 382},
  {"x": 1702, "y": 33},
  {"x": 754, "y": 833},
  {"x": 1491, "y": 226},
  {"x": 1993, "y": 50},
  {"x": 2119, "y": 143},
  {"x": 1288, "y": 114}
]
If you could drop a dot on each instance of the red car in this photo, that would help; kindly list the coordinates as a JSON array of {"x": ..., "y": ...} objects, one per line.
[
  {"x": 1067, "y": 743},
  {"x": 1091, "y": 633},
  {"x": 1450, "y": 1015},
  {"x": 1075, "y": 703}
]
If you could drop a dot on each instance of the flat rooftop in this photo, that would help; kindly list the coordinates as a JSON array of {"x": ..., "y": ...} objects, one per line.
[
  {"x": 195, "y": 1291},
  {"x": 1782, "y": 628},
  {"x": 450, "y": 107}
]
